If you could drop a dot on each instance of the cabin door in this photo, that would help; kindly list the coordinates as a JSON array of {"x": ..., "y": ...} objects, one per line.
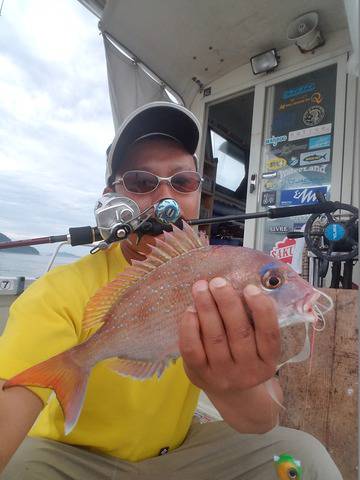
[{"x": 296, "y": 150}]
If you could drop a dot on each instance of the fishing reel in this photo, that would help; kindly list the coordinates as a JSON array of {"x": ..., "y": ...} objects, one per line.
[{"x": 117, "y": 217}]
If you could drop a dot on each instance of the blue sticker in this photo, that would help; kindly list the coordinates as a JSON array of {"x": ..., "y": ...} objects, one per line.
[
  {"x": 298, "y": 227},
  {"x": 301, "y": 196},
  {"x": 275, "y": 140},
  {"x": 320, "y": 142},
  {"x": 297, "y": 91}
]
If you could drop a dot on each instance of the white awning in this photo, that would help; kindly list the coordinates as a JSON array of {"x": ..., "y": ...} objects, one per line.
[{"x": 188, "y": 44}]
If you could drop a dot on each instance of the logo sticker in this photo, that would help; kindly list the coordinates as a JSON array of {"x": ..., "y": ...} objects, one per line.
[
  {"x": 297, "y": 91},
  {"x": 275, "y": 140},
  {"x": 289, "y": 148},
  {"x": 314, "y": 115},
  {"x": 268, "y": 198},
  {"x": 284, "y": 250},
  {"x": 310, "y": 132},
  {"x": 297, "y": 180},
  {"x": 293, "y": 161},
  {"x": 298, "y": 227},
  {"x": 320, "y": 142},
  {"x": 316, "y": 156},
  {"x": 320, "y": 169},
  {"x": 316, "y": 98},
  {"x": 279, "y": 229},
  {"x": 301, "y": 196},
  {"x": 276, "y": 163},
  {"x": 270, "y": 184}
]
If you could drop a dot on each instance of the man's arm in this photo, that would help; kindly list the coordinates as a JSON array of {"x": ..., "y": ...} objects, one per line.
[
  {"x": 231, "y": 354},
  {"x": 19, "y": 408}
]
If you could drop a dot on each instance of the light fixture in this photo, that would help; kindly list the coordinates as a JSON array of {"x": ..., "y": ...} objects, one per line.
[
  {"x": 265, "y": 62},
  {"x": 305, "y": 32}
]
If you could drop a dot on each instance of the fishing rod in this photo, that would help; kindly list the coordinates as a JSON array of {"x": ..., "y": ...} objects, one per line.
[{"x": 117, "y": 217}]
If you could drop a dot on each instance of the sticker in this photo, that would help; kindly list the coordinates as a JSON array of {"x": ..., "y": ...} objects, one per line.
[
  {"x": 297, "y": 180},
  {"x": 297, "y": 91},
  {"x": 301, "y": 196},
  {"x": 284, "y": 250},
  {"x": 314, "y": 115},
  {"x": 321, "y": 169},
  {"x": 268, "y": 198},
  {"x": 279, "y": 229},
  {"x": 298, "y": 227},
  {"x": 310, "y": 132},
  {"x": 320, "y": 142},
  {"x": 276, "y": 163},
  {"x": 269, "y": 174},
  {"x": 270, "y": 184},
  {"x": 316, "y": 156},
  {"x": 289, "y": 148},
  {"x": 293, "y": 161},
  {"x": 275, "y": 140},
  {"x": 316, "y": 98}
]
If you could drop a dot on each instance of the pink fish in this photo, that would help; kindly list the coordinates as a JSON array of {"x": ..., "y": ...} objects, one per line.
[{"x": 139, "y": 312}]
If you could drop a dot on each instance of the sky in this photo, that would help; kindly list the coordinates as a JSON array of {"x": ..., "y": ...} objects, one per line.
[{"x": 55, "y": 118}]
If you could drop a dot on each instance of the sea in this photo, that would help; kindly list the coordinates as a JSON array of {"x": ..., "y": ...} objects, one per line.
[{"x": 27, "y": 265}]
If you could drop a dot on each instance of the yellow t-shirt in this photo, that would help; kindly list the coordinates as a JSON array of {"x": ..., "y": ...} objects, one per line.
[{"x": 121, "y": 416}]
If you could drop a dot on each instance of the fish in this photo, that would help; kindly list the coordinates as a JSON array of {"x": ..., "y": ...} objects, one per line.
[
  {"x": 287, "y": 467},
  {"x": 138, "y": 313},
  {"x": 315, "y": 158}
]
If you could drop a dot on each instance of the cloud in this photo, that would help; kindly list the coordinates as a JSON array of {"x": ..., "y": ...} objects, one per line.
[{"x": 55, "y": 117}]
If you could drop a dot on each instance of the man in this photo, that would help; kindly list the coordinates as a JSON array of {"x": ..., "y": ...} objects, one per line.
[{"x": 138, "y": 428}]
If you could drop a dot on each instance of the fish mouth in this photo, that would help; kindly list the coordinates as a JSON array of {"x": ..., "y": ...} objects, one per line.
[{"x": 315, "y": 306}]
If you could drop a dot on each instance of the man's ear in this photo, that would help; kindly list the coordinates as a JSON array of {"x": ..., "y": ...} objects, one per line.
[{"x": 108, "y": 190}]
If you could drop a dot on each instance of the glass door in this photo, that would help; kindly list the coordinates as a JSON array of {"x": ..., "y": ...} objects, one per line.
[{"x": 297, "y": 153}]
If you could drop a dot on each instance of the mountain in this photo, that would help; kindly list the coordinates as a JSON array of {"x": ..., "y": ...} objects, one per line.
[{"x": 27, "y": 250}]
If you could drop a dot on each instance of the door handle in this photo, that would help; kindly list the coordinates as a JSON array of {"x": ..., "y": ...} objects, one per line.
[{"x": 253, "y": 182}]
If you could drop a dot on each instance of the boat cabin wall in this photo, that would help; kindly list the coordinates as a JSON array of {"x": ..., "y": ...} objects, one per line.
[{"x": 347, "y": 111}]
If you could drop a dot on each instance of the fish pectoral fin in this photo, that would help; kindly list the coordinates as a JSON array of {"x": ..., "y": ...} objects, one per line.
[{"x": 137, "y": 368}]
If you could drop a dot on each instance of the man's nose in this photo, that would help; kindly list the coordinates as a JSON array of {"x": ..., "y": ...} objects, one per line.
[{"x": 164, "y": 189}]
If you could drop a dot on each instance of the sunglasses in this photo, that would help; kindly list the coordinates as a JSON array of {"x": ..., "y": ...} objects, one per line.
[{"x": 139, "y": 181}]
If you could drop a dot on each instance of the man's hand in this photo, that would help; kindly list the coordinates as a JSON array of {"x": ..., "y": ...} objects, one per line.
[{"x": 230, "y": 356}]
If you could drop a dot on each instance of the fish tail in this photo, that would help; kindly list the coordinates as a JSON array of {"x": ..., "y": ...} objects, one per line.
[{"x": 65, "y": 377}]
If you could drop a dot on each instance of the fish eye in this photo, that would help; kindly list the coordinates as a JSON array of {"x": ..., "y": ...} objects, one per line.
[{"x": 272, "y": 279}]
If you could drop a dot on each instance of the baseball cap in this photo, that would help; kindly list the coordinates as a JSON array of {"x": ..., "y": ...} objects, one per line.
[{"x": 156, "y": 118}]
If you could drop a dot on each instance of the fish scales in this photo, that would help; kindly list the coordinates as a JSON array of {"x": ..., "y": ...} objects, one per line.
[{"x": 138, "y": 313}]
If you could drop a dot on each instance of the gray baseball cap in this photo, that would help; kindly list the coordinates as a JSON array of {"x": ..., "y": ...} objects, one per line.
[{"x": 156, "y": 118}]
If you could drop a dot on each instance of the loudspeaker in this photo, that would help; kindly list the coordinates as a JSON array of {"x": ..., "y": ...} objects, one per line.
[{"x": 305, "y": 32}]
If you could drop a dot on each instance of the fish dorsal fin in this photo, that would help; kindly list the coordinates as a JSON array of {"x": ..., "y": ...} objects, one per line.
[{"x": 175, "y": 243}]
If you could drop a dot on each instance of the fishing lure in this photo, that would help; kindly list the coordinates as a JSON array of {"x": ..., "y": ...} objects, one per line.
[{"x": 287, "y": 468}]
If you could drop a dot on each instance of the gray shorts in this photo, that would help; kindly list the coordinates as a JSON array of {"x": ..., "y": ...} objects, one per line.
[{"x": 211, "y": 451}]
